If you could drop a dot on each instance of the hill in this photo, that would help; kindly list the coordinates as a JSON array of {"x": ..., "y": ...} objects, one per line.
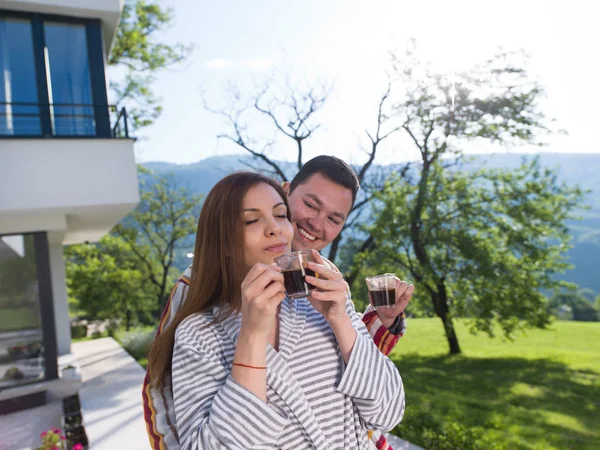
[{"x": 572, "y": 169}]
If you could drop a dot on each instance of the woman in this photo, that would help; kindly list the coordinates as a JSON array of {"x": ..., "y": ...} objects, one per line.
[{"x": 251, "y": 369}]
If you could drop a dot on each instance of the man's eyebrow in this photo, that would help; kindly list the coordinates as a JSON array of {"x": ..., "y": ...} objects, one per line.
[
  {"x": 318, "y": 201},
  {"x": 258, "y": 210}
]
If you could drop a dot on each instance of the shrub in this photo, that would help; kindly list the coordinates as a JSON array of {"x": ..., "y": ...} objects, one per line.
[
  {"x": 13, "y": 373},
  {"x": 424, "y": 430},
  {"x": 78, "y": 331},
  {"x": 137, "y": 343}
]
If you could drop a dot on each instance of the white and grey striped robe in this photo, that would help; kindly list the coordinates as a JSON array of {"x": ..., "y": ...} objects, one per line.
[{"x": 315, "y": 400}]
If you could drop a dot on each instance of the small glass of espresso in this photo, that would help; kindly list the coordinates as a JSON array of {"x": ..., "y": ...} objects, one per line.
[
  {"x": 294, "y": 269},
  {"x": 382, "y": 291}
]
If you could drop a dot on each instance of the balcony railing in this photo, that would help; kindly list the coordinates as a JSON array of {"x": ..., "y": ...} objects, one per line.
[{"x": 29, "y": 120}]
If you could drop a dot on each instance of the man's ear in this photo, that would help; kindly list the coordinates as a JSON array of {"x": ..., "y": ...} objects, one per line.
[{"x": 286, "y": 187}]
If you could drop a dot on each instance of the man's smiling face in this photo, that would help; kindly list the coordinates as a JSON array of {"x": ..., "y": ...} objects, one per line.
[{"x": 319, "y": 208}]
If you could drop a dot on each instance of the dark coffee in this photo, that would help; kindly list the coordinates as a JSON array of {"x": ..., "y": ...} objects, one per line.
[
  {"x": 383, "y": 297},
  {"x": 294, "y": 282}
]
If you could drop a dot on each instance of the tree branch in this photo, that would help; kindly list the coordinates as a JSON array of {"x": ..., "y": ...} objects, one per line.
[{"x": 375, "y": 141}]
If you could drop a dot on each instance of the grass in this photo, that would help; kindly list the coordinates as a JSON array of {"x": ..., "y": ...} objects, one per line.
[{"x": 541, "y": 391}]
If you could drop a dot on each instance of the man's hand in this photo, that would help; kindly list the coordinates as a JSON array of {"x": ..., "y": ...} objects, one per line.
[
  {"x": 330, "y": 299},
  {"x": 404, "y": 292}
]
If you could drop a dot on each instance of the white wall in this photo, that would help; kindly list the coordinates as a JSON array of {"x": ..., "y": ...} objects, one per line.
[
  {"x": 59, "y": 294},
  {"x": 51, "y": 174},
  {"x": 81, "y": 187}
]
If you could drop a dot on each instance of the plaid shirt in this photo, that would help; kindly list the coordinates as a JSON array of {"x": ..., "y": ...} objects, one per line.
[{"x": 159, "y": 412}]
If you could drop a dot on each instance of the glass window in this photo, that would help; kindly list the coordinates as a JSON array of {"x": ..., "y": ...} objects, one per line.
[
  {"x": 19, "y": 113},
  {"x": 21, "y": 348},
  {"x": 69, "y": 82}
]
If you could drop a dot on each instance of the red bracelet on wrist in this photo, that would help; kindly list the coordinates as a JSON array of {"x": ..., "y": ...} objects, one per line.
[{"x": 249, "y": 367}]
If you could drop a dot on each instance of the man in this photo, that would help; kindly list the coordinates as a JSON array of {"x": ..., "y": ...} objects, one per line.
[{"x": 320, "y": 197}]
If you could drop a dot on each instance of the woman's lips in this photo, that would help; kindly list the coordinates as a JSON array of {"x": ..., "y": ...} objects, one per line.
[{"x": 276, "y": 247}]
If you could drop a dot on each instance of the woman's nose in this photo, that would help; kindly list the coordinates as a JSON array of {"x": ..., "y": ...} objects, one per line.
[{"x": 273, "y": 228}]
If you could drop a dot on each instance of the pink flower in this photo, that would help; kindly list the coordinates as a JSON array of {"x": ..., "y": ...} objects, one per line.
[
  {"x": 55, "y": 430},
  {"x": 78, "y": 447},
  {"x": 43, "y": 435},
  {"x": 55, "y": 448},
  {"x": 63, "y": 437}
]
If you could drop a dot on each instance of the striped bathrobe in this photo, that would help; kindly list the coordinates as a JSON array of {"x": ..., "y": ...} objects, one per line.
[
  {"x": 315, "y": 400},
  {"x": 159, "y": 413}
]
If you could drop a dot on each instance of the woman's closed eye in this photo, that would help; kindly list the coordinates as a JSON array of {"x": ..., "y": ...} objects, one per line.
[{"x": 279, "y": 216}]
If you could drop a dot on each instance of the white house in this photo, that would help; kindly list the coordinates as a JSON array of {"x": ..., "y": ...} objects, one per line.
[{"x": 67, "y": 175}]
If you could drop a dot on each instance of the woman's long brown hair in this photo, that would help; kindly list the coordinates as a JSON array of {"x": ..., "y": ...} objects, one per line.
[{"x": 218, "y": 268}]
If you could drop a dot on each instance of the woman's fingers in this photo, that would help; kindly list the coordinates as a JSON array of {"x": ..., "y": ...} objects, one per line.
[
  {"x": 275, "y": 293},
  {"x": 267, "y": 277},
  {"x": 256, "y": 271}
]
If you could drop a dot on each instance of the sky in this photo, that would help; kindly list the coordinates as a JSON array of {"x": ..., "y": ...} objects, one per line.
[{"x": 346, "y": 44}]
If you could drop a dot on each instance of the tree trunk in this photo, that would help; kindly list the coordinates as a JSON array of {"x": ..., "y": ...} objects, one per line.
[
  {"x": 440, "y": 304},
  {"x": 127, "y": 320},
  {"x": 334, "y": 248},
  {"x": 451, "y": 335},
  {"x": 368, "y": 244},
  {"x": 439, "y": 296}
]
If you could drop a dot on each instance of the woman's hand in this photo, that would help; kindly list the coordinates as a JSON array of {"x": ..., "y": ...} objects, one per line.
[
  {"x": 262, "y": 292},
  {"x": 332, "y": 291}
]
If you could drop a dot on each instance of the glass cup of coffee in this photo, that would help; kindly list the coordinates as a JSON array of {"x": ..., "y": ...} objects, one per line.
[
  {"x": 294, "y": 267},
  {"x": 382, "y": 291}
]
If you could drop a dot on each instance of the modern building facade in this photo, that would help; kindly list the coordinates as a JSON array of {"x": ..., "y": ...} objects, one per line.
[{"x": 67, "y": 175}]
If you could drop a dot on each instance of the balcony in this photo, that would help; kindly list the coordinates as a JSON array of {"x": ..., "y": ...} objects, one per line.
[
  {"x": 67, "y": 169},
  {"x": 63, "y": 120}
]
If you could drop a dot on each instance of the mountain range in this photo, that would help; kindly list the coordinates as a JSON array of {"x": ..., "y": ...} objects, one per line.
[{"x": 582, "y": 169}]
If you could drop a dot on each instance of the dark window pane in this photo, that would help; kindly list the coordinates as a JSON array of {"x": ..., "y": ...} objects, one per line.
[
  {"x": 17, "y": 80},
  {"x": 21, "y": 349},
  {"x": 69, "y": 83}
]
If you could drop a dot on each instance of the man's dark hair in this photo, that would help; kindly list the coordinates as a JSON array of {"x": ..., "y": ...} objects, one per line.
[{"x": 332, "y": 168}]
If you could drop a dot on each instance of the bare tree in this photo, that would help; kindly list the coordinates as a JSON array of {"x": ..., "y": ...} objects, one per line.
[
  {"x": 368, "y": 185},
  {"x": 292, "y": 116}
]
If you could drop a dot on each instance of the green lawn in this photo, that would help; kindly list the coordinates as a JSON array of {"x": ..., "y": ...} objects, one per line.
[{"x": 541, "y": 391}]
